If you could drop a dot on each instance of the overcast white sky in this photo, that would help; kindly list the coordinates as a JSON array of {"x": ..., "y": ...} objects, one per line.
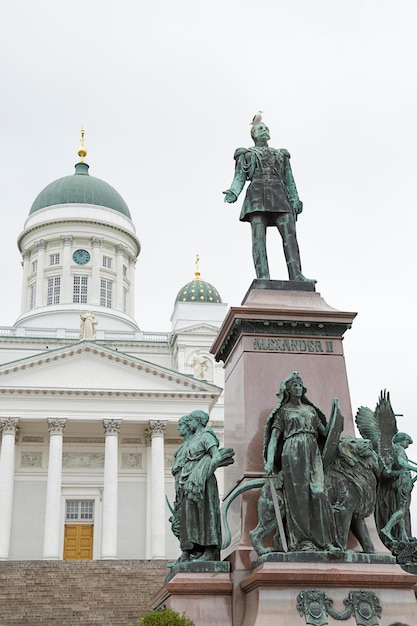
[{"x": 166, "y": 90}]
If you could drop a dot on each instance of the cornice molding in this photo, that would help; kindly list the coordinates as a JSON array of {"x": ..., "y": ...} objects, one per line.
[
  {"x": 82, "y": 220},
  {"x": 192, "y": 385},
  {"x": 101, "y": 393},
  {"x": 282, "y": 327}
]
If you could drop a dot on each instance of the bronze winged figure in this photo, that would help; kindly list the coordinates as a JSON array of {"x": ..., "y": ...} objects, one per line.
[{"x": 392, "y": 513}]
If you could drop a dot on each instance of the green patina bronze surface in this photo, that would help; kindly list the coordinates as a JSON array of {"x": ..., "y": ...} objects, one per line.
[
  {"x": 195, "y": 516},
  {"x": 315, "y": 605},
  {"x": 319, "y": 485},
  {"x": 324, "y": 485},
  {"x": 81, "y": 188},
  {"x": 291, "y": 446},
  {"x": 271, "y": 200},
  {"x": 396, "y": 480}
]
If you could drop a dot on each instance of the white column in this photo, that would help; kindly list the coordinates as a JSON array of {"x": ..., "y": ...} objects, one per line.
[
  {"x": 148, "y": 494},
  {"x": 131, "y": 295},
  {"x": 66, "y": 286},
  {"x": 51, "y": 548},
  {"x": 96, "y": 264},
  {"x": 40, "y": 276},
  {"x": 181, "y": 358},
  {"x": 120, "y": 255},
  {"x": 8, "y": 428},
  {"x": 110, "y": 493},
  {"x": 158, "y": 510},
  {"x": 25, "y": 291}
]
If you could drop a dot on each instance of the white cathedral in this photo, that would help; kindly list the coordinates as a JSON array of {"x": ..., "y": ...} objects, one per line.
[{"x": 89, "y": 403}]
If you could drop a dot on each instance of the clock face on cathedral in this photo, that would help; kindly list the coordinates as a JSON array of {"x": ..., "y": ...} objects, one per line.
[{"x": 81, "y": 257}]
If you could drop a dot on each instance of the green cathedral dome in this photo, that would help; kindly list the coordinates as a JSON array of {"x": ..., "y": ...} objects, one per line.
[
  {"x": 198, "y": 291},
  {"x": 80, "y": 188}
]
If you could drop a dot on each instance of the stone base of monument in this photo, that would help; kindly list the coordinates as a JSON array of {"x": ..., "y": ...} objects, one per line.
[
  {"x": 281, "y": 327},
  {"x": 369, "y": 590},
  {"x": 294, "y": 588},
  {"x": 202, "y": 590}
]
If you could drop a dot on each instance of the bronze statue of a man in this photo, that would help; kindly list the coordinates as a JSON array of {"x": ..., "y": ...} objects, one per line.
[{"x": 271, "y": 200}]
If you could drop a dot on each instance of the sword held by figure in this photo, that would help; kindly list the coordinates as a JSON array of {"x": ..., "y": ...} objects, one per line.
[{"x": 277, "y": 512}]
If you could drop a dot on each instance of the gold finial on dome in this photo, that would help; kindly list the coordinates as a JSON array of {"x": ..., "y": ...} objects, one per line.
[
  {"x": 197, "y": 273},
  {"x": 82, "y": 150}
]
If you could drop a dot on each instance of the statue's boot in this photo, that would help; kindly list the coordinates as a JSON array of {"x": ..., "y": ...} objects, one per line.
[
  {"x": 292, "y": 253},
  {"x": 295, "y": 273},
  {"x": 183, "y": 558},
  {"x": 332, "y": 548},
  {"x": 209, "y": 554}
]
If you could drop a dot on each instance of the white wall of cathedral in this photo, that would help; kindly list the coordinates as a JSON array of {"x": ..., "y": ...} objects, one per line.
[
  {"x": 82, "y": 480},
  {"x": 195, "y": 327},
  {"x": 190, "y": 346},
  {"x": 52, "y": 277},
  {"x": 187, "y": 314}
]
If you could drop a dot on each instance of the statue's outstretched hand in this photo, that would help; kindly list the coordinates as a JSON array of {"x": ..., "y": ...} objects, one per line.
[
  {"x": 229, "y": 196},
  {"x": 298, "y": 207}
]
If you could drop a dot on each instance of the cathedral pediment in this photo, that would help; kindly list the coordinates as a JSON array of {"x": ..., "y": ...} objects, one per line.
[
  {"x": 198, "y": 329},
  {"x": 89, "y": 368}
]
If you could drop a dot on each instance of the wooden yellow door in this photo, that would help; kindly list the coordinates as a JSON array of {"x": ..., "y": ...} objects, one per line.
[{"x": 78, "y": 542}]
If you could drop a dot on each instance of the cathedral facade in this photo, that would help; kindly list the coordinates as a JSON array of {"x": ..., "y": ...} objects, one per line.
[{"x": 90, "y": 402}]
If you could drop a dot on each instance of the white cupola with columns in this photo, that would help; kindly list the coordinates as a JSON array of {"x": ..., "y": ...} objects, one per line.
[{"x": 79, "y": 250}]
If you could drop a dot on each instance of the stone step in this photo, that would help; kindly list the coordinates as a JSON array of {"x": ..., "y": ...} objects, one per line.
[{"x": 65, "y": 593}]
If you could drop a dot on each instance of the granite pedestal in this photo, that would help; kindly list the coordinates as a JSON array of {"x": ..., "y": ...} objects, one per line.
[
  {"x": 277, "y": 593},
  {"x": 202, "y": 590},
  {"x": 277, "y": 330}
]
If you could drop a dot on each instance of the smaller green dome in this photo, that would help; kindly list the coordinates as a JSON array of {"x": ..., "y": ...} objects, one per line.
[
  {"x": 80, "y": 188},
  {"x": 198, "y": 291}
]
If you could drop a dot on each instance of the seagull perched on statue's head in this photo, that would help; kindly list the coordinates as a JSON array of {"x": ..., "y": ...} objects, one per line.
[{"x": 257, "y": 118}]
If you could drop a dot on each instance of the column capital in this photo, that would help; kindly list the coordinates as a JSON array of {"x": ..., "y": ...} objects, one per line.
[
  {"x": 132, "y": 261},
  {"x": 9, "y": 425},
  {"x": 157, "y": 428},
  {"x": 25, "y": 254},
  {"x": 112, "y": 426},
  {"x": 96, "y": 242},
  {"x": 121, "y": 249},
  {"x": 41, "y": 244},
  {"x": 56, "y": 425},
  {"x": 67, "y": 240}
]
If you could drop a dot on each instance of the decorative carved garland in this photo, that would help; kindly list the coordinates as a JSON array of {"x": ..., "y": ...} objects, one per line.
[{"x": 315, "y": 605}]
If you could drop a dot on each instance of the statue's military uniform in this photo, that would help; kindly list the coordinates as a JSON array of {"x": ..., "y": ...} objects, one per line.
[{"x": 272, "y": 188}]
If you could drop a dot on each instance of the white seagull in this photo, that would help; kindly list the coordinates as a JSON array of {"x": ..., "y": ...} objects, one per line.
[{"x": 257, "y": 118}]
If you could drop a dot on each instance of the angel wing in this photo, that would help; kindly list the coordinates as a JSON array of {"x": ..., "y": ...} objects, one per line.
[
  {"x": 368, "y": 426},
  {"x": 385, "y": 417},
  {"x": 379, "y": 426}
]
